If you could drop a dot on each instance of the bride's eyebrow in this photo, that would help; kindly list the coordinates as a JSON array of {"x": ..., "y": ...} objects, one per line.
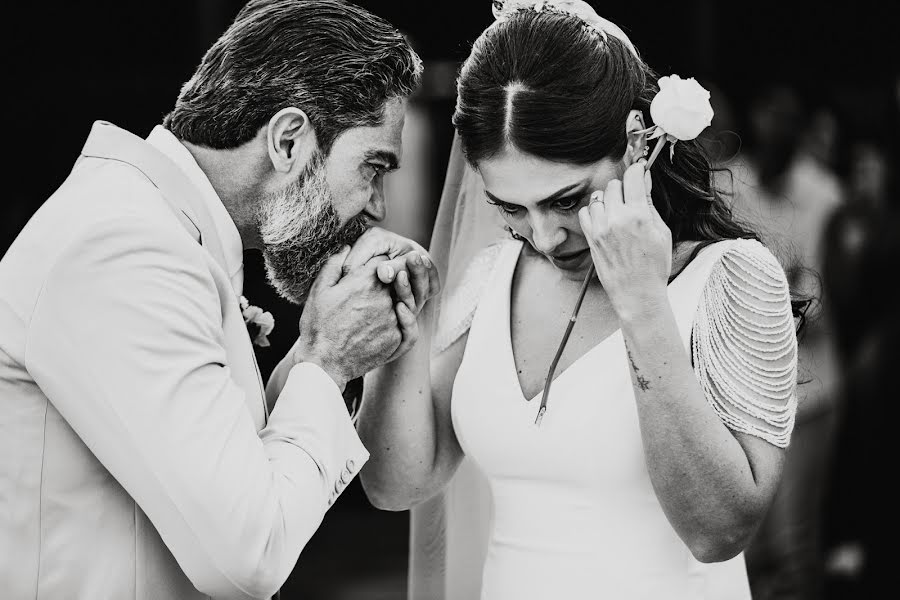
[{"x": 575, "y": 187}]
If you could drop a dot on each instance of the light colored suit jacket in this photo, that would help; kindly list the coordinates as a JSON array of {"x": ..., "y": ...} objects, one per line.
[{"x": 136, "y": 456}]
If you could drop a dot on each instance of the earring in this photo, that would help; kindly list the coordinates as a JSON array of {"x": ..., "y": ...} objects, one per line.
[{"x": 513, "y": 234}]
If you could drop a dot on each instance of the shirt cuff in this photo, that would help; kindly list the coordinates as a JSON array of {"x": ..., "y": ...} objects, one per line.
[{"x": 311, "y": 407}]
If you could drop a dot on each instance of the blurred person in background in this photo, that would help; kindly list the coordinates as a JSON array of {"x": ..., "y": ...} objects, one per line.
[
  {"x": 862, "y": 250},
  {"x": 785, "y": 189},
  {"x": 721, "y": 140}
]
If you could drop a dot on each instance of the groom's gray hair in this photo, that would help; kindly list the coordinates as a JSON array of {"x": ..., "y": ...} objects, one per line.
[{"x": 329, "y": 58}]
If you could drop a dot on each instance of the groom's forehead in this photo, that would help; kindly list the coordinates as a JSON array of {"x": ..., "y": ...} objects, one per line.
[{"x": 382, "y": 142}]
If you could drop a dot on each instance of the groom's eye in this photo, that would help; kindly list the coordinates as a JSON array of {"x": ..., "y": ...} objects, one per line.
[{"x": 379, "y": 169}]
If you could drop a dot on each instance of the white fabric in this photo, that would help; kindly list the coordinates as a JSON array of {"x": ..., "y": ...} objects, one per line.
[
  {"x": 791, "y": 223},
  {"x": 163, "y": 140},
  {"x": 743, "y": 340},
  {"x": 744, "y": 345},
  {"x": 449, "y": 533},
  {"x": 574, "y": 511},
  {"x": 135, "y": 456},
  {"x": 457, "y": 312}
]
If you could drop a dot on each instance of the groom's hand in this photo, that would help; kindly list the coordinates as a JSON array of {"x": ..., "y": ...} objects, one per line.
[{"x": 349, "y": 324}]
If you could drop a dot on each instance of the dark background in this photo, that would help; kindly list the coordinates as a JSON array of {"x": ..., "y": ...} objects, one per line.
[{"x": 71, "y": 63}]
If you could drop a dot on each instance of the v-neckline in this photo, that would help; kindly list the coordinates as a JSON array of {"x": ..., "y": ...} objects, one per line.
[{"x": 507, "y": 319}]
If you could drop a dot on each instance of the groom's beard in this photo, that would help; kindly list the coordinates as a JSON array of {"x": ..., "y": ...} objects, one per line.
[{"x": 300, "y": 230}]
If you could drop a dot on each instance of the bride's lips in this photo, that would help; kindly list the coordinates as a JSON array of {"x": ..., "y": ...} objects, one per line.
[{"x": 569, "y": 260}]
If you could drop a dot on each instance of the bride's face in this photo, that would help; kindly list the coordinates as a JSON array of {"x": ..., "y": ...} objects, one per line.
[{"x": 539, "y": 199}]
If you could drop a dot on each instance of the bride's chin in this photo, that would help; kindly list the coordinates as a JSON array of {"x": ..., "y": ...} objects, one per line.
[{"x": 574, "y": 274}]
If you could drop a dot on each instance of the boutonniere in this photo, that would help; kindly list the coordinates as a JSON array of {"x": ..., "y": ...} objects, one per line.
[{"x": 260, "y": 323}]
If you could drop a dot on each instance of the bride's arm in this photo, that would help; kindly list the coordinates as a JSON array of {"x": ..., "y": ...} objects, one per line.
[
  {"x": 714, "y": 483},
  {"x": 404, "y": 422},
  {"x": 713, "y": 434}
]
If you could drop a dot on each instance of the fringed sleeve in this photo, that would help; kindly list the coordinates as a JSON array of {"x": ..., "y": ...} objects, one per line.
[{"x": 744, "y": 344}]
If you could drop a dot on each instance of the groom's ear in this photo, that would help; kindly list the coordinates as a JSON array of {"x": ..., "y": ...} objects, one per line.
[{"x": 290, "y": 140}]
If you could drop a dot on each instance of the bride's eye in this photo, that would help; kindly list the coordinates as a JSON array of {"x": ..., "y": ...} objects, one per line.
[
  {"x": 568, "y": 204},
  {"x": 507, "y": 209}
]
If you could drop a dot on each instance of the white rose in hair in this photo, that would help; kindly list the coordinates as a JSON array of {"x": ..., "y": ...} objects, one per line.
[{"x": 681, "y": 108}]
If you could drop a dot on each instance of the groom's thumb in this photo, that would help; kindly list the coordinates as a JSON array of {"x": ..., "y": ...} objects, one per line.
[{"x": 333, "y": 268}]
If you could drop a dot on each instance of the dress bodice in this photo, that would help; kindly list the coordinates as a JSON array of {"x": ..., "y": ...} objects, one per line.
[{"x": 574, "y": 512}]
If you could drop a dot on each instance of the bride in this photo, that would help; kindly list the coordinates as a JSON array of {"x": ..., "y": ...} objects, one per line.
[{"x": 674, "y": 399}]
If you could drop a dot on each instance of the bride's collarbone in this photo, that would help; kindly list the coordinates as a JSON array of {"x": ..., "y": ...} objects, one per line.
[
  {"x": 541, "y": 303},
  {"x": 540, "y": 307}
]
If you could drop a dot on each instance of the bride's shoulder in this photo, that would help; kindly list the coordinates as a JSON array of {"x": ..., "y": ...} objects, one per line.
[
  {"x": 486, "y": 259},
  {"x": 749, "y": 249},
  {"x": 460, "y": 298}
]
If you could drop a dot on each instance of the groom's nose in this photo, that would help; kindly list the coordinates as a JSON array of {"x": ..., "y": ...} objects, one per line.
[{"x": 376, "y": 209}]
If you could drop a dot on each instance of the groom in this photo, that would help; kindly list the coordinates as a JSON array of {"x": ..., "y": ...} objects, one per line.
[{"x": 138, "y": 457}]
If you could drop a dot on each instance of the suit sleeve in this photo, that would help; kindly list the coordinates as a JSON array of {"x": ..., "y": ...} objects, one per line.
[{"x": 126, "y": 341}]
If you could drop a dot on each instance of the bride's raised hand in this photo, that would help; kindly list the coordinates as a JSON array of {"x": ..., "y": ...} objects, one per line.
[{"x": 630, "y": 243}]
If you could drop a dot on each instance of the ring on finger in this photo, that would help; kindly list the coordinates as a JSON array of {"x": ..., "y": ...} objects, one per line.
[{"x": 596, "y": 197}]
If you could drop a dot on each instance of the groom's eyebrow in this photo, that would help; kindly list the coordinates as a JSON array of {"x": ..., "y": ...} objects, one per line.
[
  {"x": 385, "y": 156},
  {"x": 575, "y": 187}
]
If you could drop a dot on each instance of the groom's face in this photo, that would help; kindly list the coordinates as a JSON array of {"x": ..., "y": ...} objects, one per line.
[
  {"x": 358, "y": 161},
  {"x": 330, "y": 204}
]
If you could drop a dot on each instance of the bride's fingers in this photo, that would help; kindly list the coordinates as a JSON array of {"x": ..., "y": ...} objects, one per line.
[
  {"x": 612, "y": 196},
  {"x": 592, "y": 219},
  {"x": 403, "y": 291},
  {"x": 597, "y": 210},
  {"x": 584, "y": 219},
  {"x": 409, "y": 330},
  {"x": 636, "y": 191}
]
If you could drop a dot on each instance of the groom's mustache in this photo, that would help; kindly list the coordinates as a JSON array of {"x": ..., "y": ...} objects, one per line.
[{"x": 355, "y": 227}]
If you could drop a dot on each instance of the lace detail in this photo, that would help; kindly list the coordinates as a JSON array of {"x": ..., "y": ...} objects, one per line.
[
  {"x": 744, "y": 344},
  {"x": 458, "y": 308}
]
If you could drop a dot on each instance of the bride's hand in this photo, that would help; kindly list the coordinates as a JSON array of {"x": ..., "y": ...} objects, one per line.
[
  {"x": 408, "y": 266},
  {"x": 630, "y": 244}
]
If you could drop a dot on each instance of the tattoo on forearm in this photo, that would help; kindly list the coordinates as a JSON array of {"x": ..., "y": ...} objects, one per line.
[{"x": 642, "y": 382}]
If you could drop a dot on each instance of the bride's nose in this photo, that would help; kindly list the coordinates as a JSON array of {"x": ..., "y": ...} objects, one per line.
[{"x": 546, "y": 234}]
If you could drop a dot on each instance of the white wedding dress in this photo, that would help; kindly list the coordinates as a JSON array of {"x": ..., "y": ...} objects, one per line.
[{"x": 571, "y": 512}]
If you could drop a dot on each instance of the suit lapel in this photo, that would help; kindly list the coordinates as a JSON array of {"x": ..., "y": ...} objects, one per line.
[
  {"x": 112, "y": 143},
  {"x": 109, "y": 142}
]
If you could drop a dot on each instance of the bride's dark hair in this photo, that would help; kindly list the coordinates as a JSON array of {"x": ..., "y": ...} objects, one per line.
[{"x": 550, "y": 85}]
